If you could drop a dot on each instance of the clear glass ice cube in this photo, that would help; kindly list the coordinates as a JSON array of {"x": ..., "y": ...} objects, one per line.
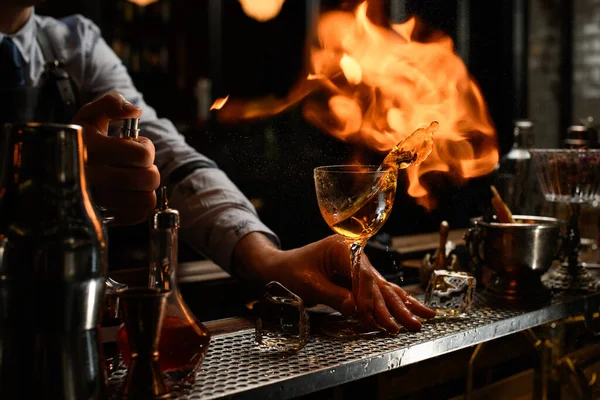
[
  {"x": 282, "y": 322},
  {"x": 450, "y": 294}
]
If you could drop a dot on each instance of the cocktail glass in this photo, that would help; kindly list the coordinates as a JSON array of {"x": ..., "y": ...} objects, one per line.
[
  {"x": 355, "y": 201},
  {"x": 571, "y": 177}
]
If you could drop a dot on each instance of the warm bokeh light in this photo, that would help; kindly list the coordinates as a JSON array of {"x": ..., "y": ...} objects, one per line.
[
  {"x": 377, "y": 85},
  {"x": 262, "y": 10},
  {"x": 142, "y": 3}
]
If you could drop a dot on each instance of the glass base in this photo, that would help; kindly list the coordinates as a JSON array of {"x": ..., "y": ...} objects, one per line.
[
  {"x": 180, "y": 378},
  {"x": 340, "y": 328},
  {"x": 568, "y": 278}
]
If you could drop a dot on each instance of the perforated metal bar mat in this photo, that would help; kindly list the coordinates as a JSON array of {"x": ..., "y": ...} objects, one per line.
[{"x": 235, "y": 367}]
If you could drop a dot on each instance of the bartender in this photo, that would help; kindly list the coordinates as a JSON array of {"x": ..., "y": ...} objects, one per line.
[{"x": 49, "y": 67}]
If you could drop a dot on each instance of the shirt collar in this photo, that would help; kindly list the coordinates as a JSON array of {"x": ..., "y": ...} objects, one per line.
[{"x": 24, "y": 37}]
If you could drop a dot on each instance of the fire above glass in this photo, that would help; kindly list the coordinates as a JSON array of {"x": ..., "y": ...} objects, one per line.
[
  {"x": 571, "y": 177},
  {"x": 371, "y": 84}
]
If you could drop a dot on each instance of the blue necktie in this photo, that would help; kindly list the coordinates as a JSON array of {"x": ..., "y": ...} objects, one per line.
[{"x": 11, "y": 65}]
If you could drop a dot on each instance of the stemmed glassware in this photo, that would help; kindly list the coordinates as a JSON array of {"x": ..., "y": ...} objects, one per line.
[
  {"x": 355, "y": 201},
  {"x": 571, "y": 177}
]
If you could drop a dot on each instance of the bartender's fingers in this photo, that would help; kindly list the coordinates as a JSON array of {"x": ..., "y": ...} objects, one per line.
[
  {"x": 399, "y": 309},
  {"x": 119, "y": 152},
  {"x": 414, "y": 305},
  {"x": 99, "y": 113},
  {"x": 382, "y": 314},
  {"x": 334, "y": 296},
  {"x": 127, "y": 208},
  {"x": 123, "y": 179},
  {"x": 411, "y": 303}
]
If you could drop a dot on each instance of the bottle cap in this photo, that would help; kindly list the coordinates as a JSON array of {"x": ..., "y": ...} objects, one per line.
[
  {"x": 581, "y": 137},
  {"x": 164, "y": 217},
  {"x": 130, "y": 128}
]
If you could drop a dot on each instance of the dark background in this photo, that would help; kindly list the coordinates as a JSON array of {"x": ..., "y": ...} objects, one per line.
[{"x": 271, "y": 160}]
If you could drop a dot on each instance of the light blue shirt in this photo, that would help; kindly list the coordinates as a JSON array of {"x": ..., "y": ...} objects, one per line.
[{"x": 215, "y": 215}]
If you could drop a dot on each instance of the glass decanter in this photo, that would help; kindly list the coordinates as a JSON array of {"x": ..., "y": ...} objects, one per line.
[{"x": 184, "y": 340}]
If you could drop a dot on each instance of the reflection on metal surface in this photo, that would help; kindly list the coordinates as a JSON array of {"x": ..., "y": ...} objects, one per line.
[
  {"x": 235, "y": 366},
  {"x": 469, "y": 389},
  {"x": 579, "y": 373}
]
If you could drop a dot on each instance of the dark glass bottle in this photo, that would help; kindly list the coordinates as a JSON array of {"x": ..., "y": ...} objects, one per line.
[
  {"x": 52, "y": 267},
  {"x": 515, "y": 180}
]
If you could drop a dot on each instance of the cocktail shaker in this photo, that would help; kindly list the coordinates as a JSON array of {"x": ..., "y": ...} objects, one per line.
[{"x": 52, "y": 267}]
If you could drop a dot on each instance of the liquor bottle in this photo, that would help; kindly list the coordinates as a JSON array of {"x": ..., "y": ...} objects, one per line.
[
  {"x": 515, "y": 180},
  {"x": 53, "y": 266},
  {"x": 183, "y": 340}
]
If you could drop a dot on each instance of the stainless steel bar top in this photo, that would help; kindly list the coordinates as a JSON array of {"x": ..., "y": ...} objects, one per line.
[{"x": 235, "y": 368}]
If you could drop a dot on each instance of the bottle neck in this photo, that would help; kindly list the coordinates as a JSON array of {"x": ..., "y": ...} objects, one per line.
[
  {"x": 523, "y": 139},
  {"x": 523, "y": 134},
  {"x": 163, "y": 259}
]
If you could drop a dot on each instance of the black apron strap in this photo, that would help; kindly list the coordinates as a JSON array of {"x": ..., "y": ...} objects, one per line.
[{"x": 59, "y": 78}]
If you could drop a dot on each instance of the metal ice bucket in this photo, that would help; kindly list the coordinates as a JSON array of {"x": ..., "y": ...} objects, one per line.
[{"x": 517, "y": 253}]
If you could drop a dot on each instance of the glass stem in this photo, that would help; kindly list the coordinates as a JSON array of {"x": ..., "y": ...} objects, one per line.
[
  {"x": 573, "y": 239},
  {"x": 356, "y": 250}
]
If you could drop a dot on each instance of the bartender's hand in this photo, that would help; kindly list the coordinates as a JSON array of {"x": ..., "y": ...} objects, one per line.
[
  {"x": 310, "y": 272},
  {"x": 121, "y": 172}
]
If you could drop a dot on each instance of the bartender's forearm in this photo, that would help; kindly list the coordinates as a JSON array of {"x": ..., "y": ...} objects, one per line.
[
  {"x": 215, "y": 215},
  {"x": 254, "y": 258}
]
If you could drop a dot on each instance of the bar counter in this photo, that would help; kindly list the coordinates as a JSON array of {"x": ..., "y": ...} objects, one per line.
[{"x": 234, "y": 366}]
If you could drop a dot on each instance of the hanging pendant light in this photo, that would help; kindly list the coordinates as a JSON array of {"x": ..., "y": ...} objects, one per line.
[
  {"x": 142, "y": 3},
  {"x": 262, "y": 10}
]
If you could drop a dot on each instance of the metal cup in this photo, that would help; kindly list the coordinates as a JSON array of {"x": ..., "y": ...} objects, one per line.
[
  {"x": 143, "y": 314},
  {"x": 518, "y": 254}
]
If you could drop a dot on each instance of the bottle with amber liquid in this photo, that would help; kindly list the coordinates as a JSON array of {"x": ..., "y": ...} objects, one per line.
[{"x": 183, "y": 340}]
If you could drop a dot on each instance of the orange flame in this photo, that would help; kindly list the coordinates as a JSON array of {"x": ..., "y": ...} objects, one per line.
[
  {"x": 262, "y": 10},
  {"x": 219, "y": 103},
  {"x": 381, "y": 85}
]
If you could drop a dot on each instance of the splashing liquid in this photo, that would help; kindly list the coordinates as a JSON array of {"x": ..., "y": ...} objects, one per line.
[
  {"x": 413, "y": 150},
  {"x": 357, "y": 222}
]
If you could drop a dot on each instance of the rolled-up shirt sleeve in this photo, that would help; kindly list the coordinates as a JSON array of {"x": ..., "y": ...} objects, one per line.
[{"x": 215, "y": 214}]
